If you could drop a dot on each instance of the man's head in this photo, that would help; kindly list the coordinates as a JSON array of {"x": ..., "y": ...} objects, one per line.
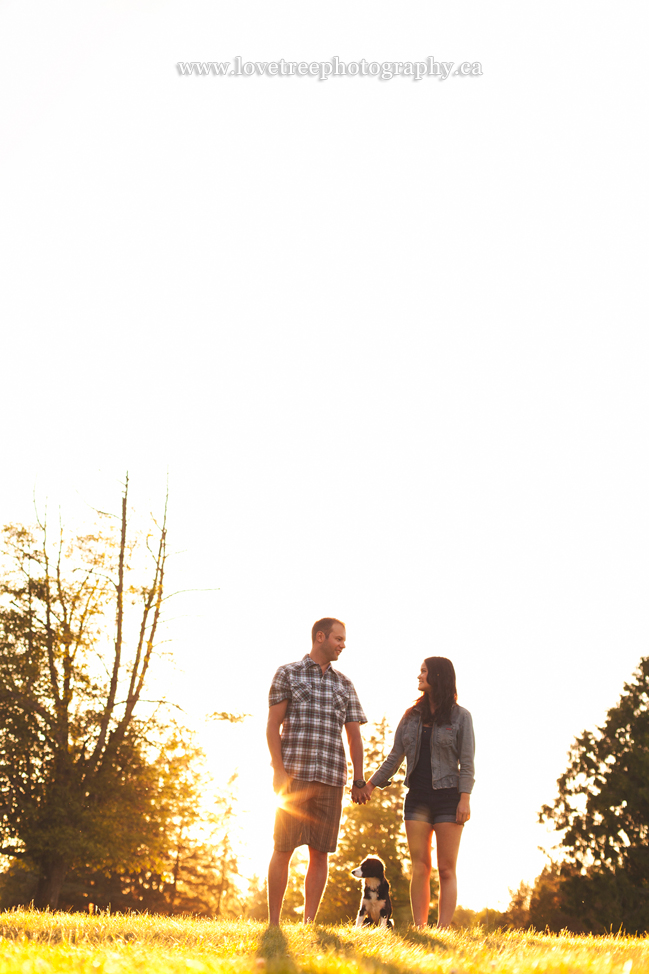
[{"x": 328, "y": 638}]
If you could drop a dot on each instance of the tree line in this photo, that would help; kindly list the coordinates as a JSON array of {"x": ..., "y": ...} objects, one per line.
[
  {"x": 102, "y": 792},
  {"x": 599, "y": 879},
  {"x": 100, "y": 788}
]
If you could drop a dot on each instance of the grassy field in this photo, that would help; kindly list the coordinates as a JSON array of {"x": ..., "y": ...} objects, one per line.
[{"x": 39, "y": 943}]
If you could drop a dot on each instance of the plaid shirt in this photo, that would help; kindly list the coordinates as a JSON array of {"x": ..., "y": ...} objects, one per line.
[{"x": 318, "y": 706}]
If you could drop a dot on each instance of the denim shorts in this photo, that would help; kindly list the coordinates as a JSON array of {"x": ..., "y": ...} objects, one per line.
[{"x": 441, "y": 806}]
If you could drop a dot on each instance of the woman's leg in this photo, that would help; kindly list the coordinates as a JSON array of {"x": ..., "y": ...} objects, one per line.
[
  {"x": 419, "y": 836},
  {"x": 448, "y": 836}
]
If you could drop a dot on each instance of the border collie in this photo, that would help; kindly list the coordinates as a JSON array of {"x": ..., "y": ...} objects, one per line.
[{"x": 376, "y": 908}]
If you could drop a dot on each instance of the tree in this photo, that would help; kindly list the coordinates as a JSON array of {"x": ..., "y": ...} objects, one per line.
[
  {"x": 77, "y": 785},
  {"x": 372, "y": 829},
  {"x": 603, "y": 811},
  {"x": 564, "y": 898},
  {"x": 220, "y": 868},
  {"x": 198, "y": 870},
  {"x": 517, "y": 915}
]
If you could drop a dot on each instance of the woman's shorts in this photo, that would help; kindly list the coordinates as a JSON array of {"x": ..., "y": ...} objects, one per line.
[{"x": 441, "y": 806}]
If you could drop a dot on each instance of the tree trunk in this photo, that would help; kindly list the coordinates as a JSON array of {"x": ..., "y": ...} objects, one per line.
[{"x": 49, "y": 886}]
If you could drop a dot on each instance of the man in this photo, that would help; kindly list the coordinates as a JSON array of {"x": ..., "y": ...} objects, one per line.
[{"x": 311, "y": 702}]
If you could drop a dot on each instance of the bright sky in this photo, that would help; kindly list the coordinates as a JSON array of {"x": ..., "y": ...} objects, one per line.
[{"x": 388, "y": 338}]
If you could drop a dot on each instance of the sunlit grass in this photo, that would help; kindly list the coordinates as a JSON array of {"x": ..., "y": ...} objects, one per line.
[{"x": 40, "y": 943}]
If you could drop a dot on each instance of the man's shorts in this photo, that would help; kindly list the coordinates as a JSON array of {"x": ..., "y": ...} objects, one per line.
[{"x": 310, "y": 816}]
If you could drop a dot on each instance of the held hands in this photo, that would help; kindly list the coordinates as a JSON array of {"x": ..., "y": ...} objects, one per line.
[
  {"x": 360, "y": 796},
  {"x": 463, "y": 813}
]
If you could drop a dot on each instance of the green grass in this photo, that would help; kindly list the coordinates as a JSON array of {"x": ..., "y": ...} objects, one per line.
[{"x": 40, "y": 943}]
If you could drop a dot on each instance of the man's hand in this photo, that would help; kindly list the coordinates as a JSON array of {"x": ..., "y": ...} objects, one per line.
[
  {"x": 463, "y": 813},
  {"x": 360, "y": 796},
  {"x": 281, "y": 781},
  {"x": 355, "y": 741}
]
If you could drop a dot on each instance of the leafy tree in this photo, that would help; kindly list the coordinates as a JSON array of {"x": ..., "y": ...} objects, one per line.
[
  {"x": 549, "y": 902},
  {"x": 603, "y": 812},
  {"x": 77, "y": 785},
  {"x": 198, "y": 870},
  {"x": 463, "y": 917},
  {"x": 256, "y": 902},
  {"x": 214, "y": 865},
  {"x": 563, "y": 898},
  {"x": 603, "y": 802},
  {"x": 487, "y": 919},
  {"x": 372, "y": 829},
  {"x": 517, "y": 915}
]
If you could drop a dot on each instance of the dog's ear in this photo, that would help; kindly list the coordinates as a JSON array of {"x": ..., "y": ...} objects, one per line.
[{"x": 373, "y": 866}]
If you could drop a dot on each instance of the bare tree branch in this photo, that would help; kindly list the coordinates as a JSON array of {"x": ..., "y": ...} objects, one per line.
[
  {"x": 183, "y": 591},
  {"x": 49, "y": 634},
  {"x": 157, "y": 589},
  {"x": 224, "y": 715},
  {"x": 110, "y": 703}
]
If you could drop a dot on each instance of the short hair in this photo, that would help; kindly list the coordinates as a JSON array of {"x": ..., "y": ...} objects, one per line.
[{"x": 325, "y": 626}]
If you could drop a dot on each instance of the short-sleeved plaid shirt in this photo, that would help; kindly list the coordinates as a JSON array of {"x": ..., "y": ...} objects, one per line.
[{"x": 319, "y": 704}]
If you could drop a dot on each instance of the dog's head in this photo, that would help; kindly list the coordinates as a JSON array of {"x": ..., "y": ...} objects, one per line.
[{"x": 370, "y": 868}]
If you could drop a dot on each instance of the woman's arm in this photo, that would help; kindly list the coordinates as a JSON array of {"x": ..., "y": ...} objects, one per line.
[
  {"x": 466, "y": 747},
  {"x": 392, "y": 763}
]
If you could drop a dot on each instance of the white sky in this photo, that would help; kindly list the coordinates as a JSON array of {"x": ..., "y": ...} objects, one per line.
[{"x": 388, "y": 338}]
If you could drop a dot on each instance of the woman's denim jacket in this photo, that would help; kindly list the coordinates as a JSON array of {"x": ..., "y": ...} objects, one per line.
[{"x": 451, "y": 751}]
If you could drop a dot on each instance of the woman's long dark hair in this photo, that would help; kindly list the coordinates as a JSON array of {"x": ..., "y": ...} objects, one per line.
[{"x": 442, "y": 693}]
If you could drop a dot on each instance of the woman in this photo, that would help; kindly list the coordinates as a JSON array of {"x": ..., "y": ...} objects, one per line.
[{"x": 436, "y": 738}]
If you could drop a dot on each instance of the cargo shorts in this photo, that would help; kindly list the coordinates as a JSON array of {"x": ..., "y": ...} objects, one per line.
[{"x": 310, "y": 815}]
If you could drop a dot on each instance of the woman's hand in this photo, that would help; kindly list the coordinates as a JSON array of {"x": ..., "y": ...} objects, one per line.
[
  {"x": 367, "y": 791},
  {"x": 463, "y": 813}
]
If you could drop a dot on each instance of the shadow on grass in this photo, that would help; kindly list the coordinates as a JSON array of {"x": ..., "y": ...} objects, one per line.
[
  {"x": 331, "y": 941},
  {"x": 423, "y": 938},
  {"x": 273, "y": 949}
]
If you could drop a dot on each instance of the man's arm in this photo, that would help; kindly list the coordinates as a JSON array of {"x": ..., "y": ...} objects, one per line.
[
  {"x": 276, "y": 715},
  {"x": 355, "y": 741}
]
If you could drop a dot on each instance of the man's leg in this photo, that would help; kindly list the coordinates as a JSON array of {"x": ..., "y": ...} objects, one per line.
[
  {"x": 324, "y": 811},
  {"x": 277, "y": 881},
  {"x": 315, "y": 882}
]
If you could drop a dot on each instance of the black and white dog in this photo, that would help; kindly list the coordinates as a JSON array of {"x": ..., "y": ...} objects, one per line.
[{"x": 376, "y": 908}]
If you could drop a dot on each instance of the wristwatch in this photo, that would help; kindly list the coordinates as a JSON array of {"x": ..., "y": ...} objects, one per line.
[{"x": 359, "y": 783}]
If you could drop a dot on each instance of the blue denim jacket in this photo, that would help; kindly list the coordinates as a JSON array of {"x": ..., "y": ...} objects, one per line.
[{"x": 451, "y": 751}]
